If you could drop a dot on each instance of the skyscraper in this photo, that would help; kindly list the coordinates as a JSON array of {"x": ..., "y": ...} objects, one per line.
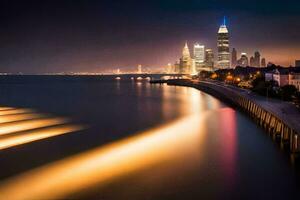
[
  {"x": 256, "y": 59},
  {"x": 185, "y": 61},
  {"x": 263, "y": 62},
  {"x": 209, "y": 59},
  {"x": 233, "y": 58},
  {"x": 139, "y": 71},
  {"x": 243, "y": 61},
  {"x": 252, "y": 61},
  {"x": 223, "y": 47},
  {"x": 199, "y": 56}
]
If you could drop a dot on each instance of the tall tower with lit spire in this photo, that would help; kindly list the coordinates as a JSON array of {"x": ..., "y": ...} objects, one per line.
[
  {"x": 185, "y": 61},
  {"x": 223, "y": 47},
  {"x": 186, "y": 52}
]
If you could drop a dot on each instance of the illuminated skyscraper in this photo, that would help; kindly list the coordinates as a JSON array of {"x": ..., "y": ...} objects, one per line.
[
  {"x": 263, "y": 62},
  {"x": 252, "y": 61},
  {"x": 209, "y": 59},
  {"x": 199, "y": 57},
  {"x": 223, "y": 47},
  {"x": 139, "y": 71},
  {"x": 256, "y": 59},
  {"x": 186, "y": 61},
  {"x": 243, "y": 61},
  {"x": 233, "y": 58}
]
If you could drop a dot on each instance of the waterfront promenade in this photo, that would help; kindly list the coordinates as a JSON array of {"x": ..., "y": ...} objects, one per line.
[{"x": 281, "y": 119}]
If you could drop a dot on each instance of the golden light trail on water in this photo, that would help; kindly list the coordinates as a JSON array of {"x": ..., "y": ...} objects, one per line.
[
  {"x": 103, "y": 164},
  {"x": 19, "y": 117},
  {"x": 15, "y": 111},
  {"x": 11, "y": 140},
  {"x": 5, "y": 108},
  {"x": 13, "y": 127},
  {"x": 21, "y": 126}
]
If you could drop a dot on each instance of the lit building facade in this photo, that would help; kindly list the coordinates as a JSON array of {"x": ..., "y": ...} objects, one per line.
[
  {"x": 256, "y": 59},
  {"x": 139, "y": 71},
  {"x": 263, "y": 62},
  {"x": 223, "y": 47},
  {"x": 199, "y": 57},
  {"x": 199, "y": 54},
  {"x": 252, "y": 61},
  {"x": 283, "y": 77},
  {"x": 209, "y": 59},
  {"x": 294, "y": 80},
  {"x": 243, "y": 61},
  {"x": 186, "y": 61},
  {"x": 233, "y": 58}
]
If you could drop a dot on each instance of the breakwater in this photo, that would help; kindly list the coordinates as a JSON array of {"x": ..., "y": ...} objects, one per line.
[{"x": 280, "y": 119}]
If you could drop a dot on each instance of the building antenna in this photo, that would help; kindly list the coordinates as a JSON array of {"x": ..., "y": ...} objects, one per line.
[{"x": 224, "y": 22}]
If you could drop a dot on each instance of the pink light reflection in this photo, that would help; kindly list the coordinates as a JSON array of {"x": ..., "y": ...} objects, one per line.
[{"x": 228, "y": 146}]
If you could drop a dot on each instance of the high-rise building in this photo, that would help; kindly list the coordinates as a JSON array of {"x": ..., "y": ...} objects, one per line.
[
  {"x": 199, "y": 54},
  {"x": 223, "y": 47},
  {"x": 199, "y": 57},
  {"x": 209, "y": 59},
  {"x": 297, "y": 63},
  {"x": 139, "y": 71},
  {"x": 185, "y": 61},
  {"x": 193, "y": 69},
  {"x": 252, "y": 61},
  {"x": 233, "y": 58},
  {"x": 177, "y": 67},
  {"x": 243, "y": 61},
  {"x": 263, "y": 62},
  {"x": 256, "y": 59},
  {"x": 170, "y": 68}
]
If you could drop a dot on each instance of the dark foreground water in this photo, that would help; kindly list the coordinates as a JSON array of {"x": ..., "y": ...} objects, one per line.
[{"x": 131, "y": 140}]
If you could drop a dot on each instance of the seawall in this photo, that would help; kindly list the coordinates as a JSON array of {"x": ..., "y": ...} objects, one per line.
[{"x": 280, "y": 119}]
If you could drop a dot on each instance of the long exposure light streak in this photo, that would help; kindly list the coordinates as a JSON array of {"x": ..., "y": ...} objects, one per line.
[
  {"x": 30, "y": 124},
  {"x": 15, "y": 111},
  {"x": 11, "y": 140},
  {"x": 5, "y": 108},
  {"x": 20, "y": 117},
  {"x": 97, "y": 166}
]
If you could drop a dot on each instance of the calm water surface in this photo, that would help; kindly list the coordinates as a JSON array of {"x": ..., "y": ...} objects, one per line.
[{"x": 139, "y": 141}]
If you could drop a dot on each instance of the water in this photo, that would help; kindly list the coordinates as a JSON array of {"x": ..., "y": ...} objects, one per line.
[{"x": 137, "y": 141}]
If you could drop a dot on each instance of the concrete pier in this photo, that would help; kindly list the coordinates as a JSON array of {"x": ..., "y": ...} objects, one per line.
[{"x": 280, "y": 119}]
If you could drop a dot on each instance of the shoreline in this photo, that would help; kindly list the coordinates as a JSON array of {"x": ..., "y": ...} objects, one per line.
[{"x": 279, "y": 119}]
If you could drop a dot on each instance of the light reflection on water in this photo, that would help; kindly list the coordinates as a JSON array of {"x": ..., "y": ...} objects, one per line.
[
  {"x": 21, "y": 126},
  {"x": 19, "y": 117},
  {"x": 180, "y": 139},
  {"x": 207, "y": 153},
  {"x": 15, "y": 111},
  {"x": 164, "y": 148},
  {"x": 27, "y": 125}
]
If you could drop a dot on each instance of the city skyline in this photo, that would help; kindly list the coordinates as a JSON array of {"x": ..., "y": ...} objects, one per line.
[{"x": 90, "y": 35}]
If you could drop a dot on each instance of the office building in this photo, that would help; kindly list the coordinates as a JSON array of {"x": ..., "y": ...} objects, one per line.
[
  {"x": 186, "y": 61},
  {"x": 209, "y": 59},
  {"x": 256, "y": 59},
  {"x": 263, "y": 62},
  {"x": 199, "y": 57},
  {"x": 233, "y": 58},
  {"x": 243, "y": 61},
  {"x": 223, "y": 47}
]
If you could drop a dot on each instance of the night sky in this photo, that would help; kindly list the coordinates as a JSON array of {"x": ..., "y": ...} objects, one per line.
[{"x": 89, "y": 35}]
